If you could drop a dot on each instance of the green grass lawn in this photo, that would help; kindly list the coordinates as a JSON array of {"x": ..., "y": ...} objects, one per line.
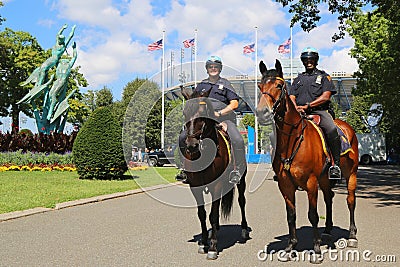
[{"x": 20, "y": 190}]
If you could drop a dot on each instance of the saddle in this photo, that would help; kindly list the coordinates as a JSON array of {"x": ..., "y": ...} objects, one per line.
[{"x": 345, "y": 144}]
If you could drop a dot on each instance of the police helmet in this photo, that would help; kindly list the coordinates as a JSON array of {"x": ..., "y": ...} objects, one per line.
[
  {"x": 309, "y": 53},
  {"x": 214, "y": 60}
]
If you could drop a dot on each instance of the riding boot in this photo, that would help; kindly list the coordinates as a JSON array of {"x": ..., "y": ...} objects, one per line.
[
  {"x": 335, "y": 146},
  {"x": 239, "y": 160},
  {"x": 181, "y": 176}
]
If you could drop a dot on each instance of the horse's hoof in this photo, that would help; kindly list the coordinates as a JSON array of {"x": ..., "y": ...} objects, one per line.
[
  {"x": 316, "y": 258},
  {"x": 245, "y": 234},
  {"x": 202, "y": 249},
  {"x": 352, "y": 243},
  {"x": 212, "y": 255}
]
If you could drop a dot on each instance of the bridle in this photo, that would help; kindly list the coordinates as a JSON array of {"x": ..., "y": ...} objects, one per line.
[
  {"x": 199, "y": 134},
  {"x": 282, "y": 88},
  {"x": 280, "y": 116}
]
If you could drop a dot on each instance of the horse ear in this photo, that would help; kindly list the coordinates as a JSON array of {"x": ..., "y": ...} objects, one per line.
[
  {"x": 278, "y": 68},
  {"x": 186, "y": 92},
  {"x": 205, "y": 94},
  {"x": 263, "y": 68}
]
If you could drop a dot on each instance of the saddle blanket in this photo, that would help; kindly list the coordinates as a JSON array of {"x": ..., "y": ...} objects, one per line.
[{"x": 345, "y": 144}]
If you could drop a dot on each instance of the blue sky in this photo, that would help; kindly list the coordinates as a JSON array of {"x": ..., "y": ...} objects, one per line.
[{"x": 112, "y": 35}]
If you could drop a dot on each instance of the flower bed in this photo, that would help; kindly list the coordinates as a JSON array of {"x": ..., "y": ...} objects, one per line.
[{"x": 37, "y": 167}]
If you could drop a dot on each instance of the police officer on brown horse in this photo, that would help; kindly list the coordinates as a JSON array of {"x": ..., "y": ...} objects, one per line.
[{"x": 311, "y": 92}]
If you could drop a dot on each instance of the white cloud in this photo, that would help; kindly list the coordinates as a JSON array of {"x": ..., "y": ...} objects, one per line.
[{"x": 112, "y": 38}]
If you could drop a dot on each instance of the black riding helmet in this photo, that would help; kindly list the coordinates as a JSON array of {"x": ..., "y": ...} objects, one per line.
[{"x": 309, "y": 53}]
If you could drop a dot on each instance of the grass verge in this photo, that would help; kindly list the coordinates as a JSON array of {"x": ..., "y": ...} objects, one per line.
[{"x": 21, "y": 190}]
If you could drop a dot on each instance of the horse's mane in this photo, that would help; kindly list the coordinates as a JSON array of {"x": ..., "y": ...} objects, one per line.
[{"x": 193, "y": 104}]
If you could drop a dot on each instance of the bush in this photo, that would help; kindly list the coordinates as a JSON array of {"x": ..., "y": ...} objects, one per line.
[
  {"x": 21, "y": 158},
  {"x": 97, "y": 150}
]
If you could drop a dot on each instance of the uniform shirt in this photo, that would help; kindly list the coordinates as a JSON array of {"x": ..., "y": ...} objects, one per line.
[
  {"x": 221, "y": 94},
  {"x": 222, "y": 90},
  {"x": 308, "y": 87}
]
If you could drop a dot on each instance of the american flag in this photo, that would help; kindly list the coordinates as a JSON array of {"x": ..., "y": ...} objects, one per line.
[
  {"x": 155, "y": 46},
  {"x": 188, "y": 43},
  {"x": 285, "y": 47},
  {"x": 249, "y": 49}
]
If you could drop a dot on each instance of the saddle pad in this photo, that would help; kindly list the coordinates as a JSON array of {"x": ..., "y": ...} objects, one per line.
[{"x": 345, "y": 144}]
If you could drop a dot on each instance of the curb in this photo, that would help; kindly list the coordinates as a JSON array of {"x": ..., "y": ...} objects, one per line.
[{"x": 24, "y": 213}]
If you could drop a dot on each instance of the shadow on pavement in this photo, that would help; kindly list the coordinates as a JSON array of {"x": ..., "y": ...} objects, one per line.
[
  {"x": 379, "y": 182},
  {"x": 228, "y": 236},
  {"x": 305, "y": 239}
]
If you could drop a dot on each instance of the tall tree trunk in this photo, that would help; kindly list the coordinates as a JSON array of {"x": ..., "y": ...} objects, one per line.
[{"x": 15, "y": 119}]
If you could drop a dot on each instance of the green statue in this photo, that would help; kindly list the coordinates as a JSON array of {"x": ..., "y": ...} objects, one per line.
[
  {"x": 52, "y": 117},
  {"x": 60, "y": 85}
]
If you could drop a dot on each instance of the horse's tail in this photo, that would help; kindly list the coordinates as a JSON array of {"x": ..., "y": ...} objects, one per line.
[{"x": 226, "y": 203}]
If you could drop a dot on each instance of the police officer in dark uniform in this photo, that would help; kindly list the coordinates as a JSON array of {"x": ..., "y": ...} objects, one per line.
[
  {"x": 311, "y": 92},
  {"x": 224, "y": 100}
]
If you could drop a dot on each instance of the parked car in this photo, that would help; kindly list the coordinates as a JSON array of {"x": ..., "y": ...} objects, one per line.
[{"x": 161, "y": 157}]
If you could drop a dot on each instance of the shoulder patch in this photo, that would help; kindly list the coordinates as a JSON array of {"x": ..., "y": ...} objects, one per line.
[{"x": 329, "y": 78}]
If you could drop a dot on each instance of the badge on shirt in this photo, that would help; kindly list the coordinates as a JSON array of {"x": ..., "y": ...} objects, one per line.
[
  {"x": 319, "y": 79},
  {"x": 221, "y": 87}
]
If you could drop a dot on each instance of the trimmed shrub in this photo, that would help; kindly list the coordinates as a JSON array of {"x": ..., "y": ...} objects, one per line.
[{"x": 97, "y": 150}]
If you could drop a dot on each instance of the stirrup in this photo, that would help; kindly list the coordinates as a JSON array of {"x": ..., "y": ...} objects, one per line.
[
  {"x": 181, "y": 176},
  {"x": 334, "y": 173},
  {"x": 234, "y": 177}
]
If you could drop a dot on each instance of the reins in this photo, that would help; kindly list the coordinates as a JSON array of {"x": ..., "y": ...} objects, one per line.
[{"x": 281, "y": 117}]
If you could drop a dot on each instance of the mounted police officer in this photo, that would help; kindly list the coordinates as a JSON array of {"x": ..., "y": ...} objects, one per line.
[
  {"x": 224, "y": 100},
  {"x": 311, "y": 92}
]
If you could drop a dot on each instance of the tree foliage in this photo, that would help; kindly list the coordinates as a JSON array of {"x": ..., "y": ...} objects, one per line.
[
  {"x": 20, "y": 54},
  {"x": 104, "y": 97},
  {"x": 377, "y": 50},
  {"x": 307, "y": 13}
]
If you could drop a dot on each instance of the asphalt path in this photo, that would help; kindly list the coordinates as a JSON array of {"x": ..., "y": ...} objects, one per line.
[{"x": 138, "y": 230}]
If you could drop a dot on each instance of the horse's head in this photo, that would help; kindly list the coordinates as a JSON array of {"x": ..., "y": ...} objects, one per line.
[
  {"x": 273, "y": 89},
  {"x": 199, "y": 118}
]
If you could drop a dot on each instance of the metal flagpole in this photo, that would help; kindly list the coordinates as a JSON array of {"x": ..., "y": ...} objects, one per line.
[
  {"x": 291, "y": 56},
  {"x": 195, "y": 57},
  {"x": 162, "y": 92},
  {"x": 255, "y": 95}
]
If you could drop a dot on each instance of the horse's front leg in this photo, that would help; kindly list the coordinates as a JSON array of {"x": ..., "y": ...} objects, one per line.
[
  {"x": 288, "y": 193},
  {"x": 202, "y": 215},
  {"x": 214, "y": 220}
]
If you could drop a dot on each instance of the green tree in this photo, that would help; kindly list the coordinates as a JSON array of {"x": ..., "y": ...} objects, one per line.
[
  {"x": 377, "y": 50},
  {"x": 104, "y": 97},
  {"x": 307, "y": 13},
  {"x": 1, "y": 18},
  {"x": 142, "y": 116},
  {"x": 20, "y": 54}
]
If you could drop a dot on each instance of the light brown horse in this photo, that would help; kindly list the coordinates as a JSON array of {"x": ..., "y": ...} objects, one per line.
[{"x": 300, "y": 160}]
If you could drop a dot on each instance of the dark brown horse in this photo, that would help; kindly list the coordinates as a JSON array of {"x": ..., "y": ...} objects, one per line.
[
  {"x": 300, "y": 160},
  {"x": 207, "y": 162}
]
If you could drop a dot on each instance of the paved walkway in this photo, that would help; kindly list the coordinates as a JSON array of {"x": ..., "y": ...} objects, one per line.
[{"x": 137, "y": 230}]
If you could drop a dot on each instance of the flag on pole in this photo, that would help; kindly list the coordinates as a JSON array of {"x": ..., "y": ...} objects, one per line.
[
  {"x": 188, "y": 43},
  {"x": 285, "y": 47},
  {"x": 155, "y": 46},
  {"x": 249, "y": 49}
]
